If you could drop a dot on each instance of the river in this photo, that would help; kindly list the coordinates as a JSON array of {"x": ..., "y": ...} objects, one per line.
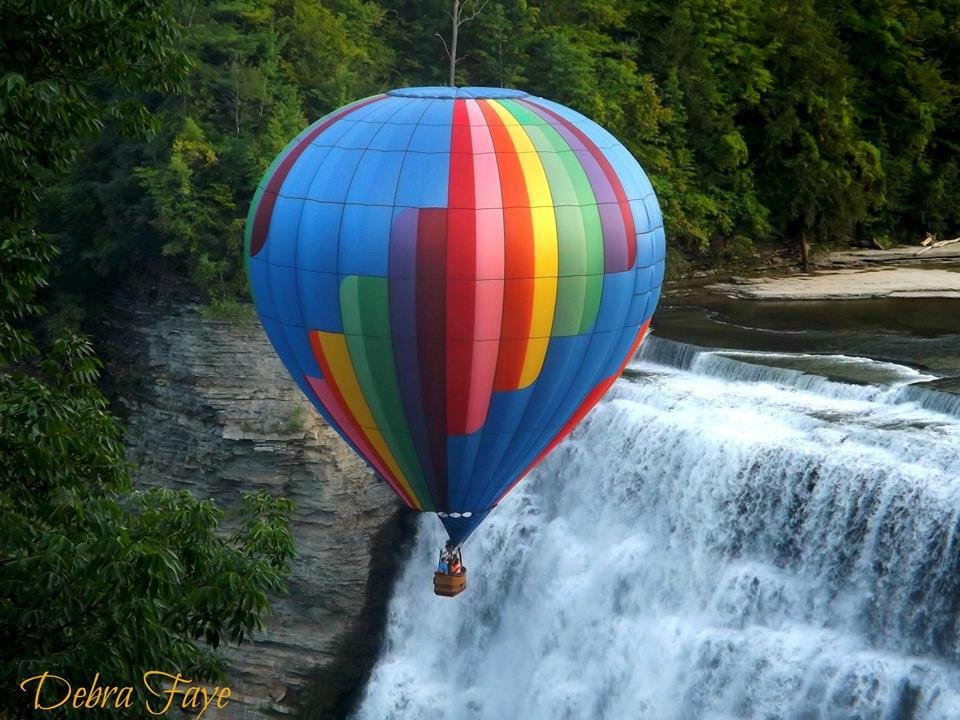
[{"x": 770, "y": 531}]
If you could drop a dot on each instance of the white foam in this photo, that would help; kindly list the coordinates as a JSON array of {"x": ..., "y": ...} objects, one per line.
[{"x": 701, "y": 549}]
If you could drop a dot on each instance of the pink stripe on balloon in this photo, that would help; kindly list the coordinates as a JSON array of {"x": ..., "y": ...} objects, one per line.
[
  {"x": 480, "y": 136},
  {"x": 489, "y": 270},
  {"x": 489, "y": 244},
  {"x": 487, "y": 178},
  {"x": 481, "y": 383},
  {"x": 475, "y": 282},
  {"x": 485, "y": 171}
]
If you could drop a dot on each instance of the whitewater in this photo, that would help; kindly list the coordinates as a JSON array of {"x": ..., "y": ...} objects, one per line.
[{"x": 727, "y": 536}]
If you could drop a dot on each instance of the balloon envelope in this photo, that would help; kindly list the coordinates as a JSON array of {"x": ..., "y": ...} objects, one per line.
[{"x": 454, "y": 277}]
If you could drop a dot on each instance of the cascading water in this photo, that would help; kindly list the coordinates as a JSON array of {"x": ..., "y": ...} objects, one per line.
[{"x": 719, "y": 540}]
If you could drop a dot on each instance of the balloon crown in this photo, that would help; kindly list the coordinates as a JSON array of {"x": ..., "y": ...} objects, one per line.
[{"x": 455, "y": 93}]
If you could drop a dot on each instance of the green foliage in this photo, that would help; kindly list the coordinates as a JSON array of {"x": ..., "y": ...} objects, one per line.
[
  {"x": 57, "y": 54},
  {"x": 230, "y": 310},
  {"x": 906, "y": 71},
  {"x": 297, "y": 422},
  {"x": 94, "y": 576},
  {"x": 57, "y": 57},
  {"x": 195, "y": 211},
  {"x": 756, "y": 121},
  {"x": 332, "y": 52},
  {"x": 715, "y": 59},
  {"x": 821, "y": 176}
]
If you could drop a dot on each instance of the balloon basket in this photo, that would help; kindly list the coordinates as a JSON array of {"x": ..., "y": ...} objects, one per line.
[{"x": 449, "y": 585}]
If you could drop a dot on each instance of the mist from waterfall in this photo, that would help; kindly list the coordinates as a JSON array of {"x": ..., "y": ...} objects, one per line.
[{"x": 722, "y": 539}]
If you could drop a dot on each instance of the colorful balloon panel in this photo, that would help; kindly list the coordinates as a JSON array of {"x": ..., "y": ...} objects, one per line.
[{"x": 455, "y": 277}]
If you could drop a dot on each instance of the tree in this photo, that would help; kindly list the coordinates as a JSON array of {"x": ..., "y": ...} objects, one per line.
[
  {"x": 332, "y": 53},
  {"x": 98, "y": 578},
  {"x": 194, "y": 212},
  {"x": 463, "y": 12},
  {"x": 258, "y": 74},
  {"x": 769, "y": 122},
  {"x": 821, "y": 178},
  {"x": 906, "y": 96},
  {"x": 95, "y": 576},
  {"x": 716, "y": 59},
  {"x": 57, "y": 58}
]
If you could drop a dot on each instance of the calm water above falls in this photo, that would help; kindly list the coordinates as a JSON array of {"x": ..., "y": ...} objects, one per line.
[{"x": 727, "y": 536}]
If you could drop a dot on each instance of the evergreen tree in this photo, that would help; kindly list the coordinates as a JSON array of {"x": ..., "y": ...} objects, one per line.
[
  {"x": 821, "y": 178},
  {"x": 906, "y": 100}
]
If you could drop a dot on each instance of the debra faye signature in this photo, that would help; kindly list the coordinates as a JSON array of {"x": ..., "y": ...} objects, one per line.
[{"x": 172, "y": 691}]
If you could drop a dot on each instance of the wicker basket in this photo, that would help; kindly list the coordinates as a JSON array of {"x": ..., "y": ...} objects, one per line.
[{"x": 449, "y": 585}]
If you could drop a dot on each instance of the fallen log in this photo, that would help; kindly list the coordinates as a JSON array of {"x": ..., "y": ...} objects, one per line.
[{"x": 938, "y": 244}]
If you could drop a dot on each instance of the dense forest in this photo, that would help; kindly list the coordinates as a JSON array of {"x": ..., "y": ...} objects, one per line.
[
  {"x": 133, "y": 134},
  {"x": 95, "y": 575},
  {"x": 759, "y": 123}
]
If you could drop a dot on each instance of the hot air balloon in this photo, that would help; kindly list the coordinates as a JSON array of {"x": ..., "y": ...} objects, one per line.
[{"x": 454, "y": 277}]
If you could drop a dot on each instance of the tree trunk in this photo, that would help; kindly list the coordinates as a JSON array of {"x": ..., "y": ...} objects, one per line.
[
  {"x": 453, "y": 43},
  {"x": 804, "y": 252}
]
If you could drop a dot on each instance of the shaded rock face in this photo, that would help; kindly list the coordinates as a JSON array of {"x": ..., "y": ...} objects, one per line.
[{"x": 209, "y": 408}]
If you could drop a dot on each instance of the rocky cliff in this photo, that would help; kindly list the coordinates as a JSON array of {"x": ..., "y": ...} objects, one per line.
[{"x": 209, "y": 408}]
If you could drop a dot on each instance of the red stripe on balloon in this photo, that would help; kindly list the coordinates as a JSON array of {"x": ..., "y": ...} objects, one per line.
[
  {"x": 622, "y": 202},
  {"x": 261, "y": 220},
  {"x": 586, "y": 406},
  {"x": 431, "y": 337},
  {"x": 460, "y": 186}
]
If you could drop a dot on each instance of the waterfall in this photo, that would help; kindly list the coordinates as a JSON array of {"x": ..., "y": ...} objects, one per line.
[
  {"x": 882, "y": 382},
  {"x": 723, "y": 538}
]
